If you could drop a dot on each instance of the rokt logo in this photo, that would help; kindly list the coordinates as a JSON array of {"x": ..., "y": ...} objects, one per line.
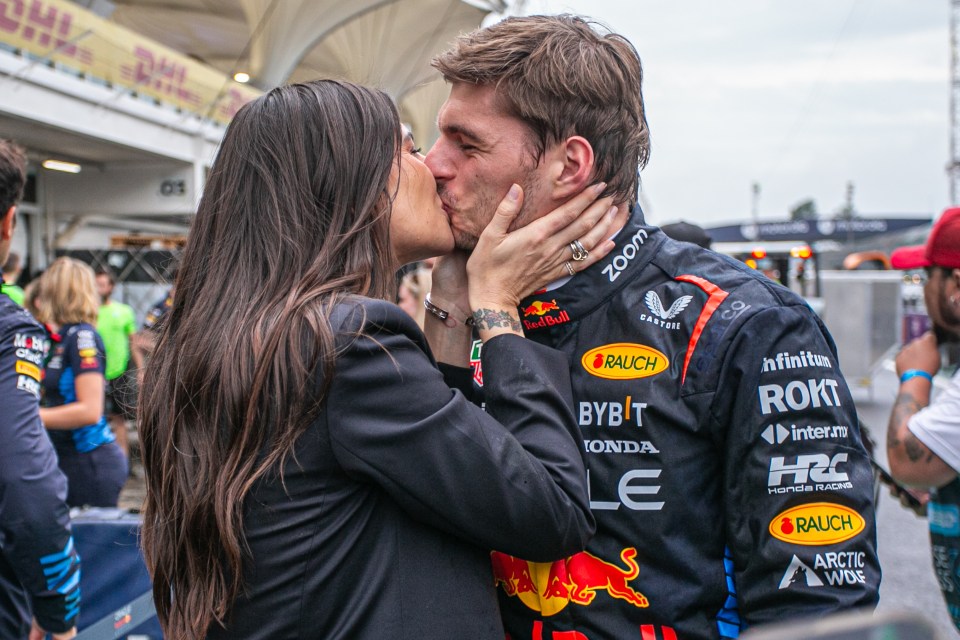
[
  {"x": 624, "y": 361},
  {"x": 818, "y": 523},
  {"x": 798, "y": 395}
]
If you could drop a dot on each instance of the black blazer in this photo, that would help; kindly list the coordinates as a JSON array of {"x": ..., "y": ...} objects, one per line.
[{"x": 397, "y": 493}]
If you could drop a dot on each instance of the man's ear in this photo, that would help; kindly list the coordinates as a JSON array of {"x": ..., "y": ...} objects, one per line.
[
  {"x": 572, "y": 163},
  {"x": 8, "y": 222}
]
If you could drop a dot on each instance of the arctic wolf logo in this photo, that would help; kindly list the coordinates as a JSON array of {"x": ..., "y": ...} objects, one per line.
[
  {"x": 796, "y": 572},
  {"x": 656, "y": 306}
]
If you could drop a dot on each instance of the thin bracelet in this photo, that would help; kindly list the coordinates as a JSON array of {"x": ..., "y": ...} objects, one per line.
[
  {"x": 914, "y": 373},
  {"x": 442, "y": 314}
]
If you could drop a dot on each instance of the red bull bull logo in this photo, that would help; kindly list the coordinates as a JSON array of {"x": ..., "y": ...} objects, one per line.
[
  {"x": 539, "y": 309},
  {"x": 550, "y": 587}
]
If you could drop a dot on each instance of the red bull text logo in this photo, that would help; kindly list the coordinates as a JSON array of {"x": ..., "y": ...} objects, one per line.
[
  {"x": 818, "y": 523},
  {"x": 550, "y": 587},
  {"x": 624, "y": 361},
  {"x": 540, "y": 309}
]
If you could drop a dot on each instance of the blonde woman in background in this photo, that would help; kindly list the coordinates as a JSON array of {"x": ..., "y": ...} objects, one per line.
[
  {"x": 413, "y": 289},
  {"x": 73, "y": 387}
]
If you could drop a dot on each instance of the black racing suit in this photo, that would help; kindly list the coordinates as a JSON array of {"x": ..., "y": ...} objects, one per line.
[
  {"x": 726, "y": 471},
  {"x": 39, "y": 568}
]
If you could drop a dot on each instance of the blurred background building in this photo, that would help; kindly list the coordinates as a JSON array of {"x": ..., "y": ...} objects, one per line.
[{"x": 121, "y": 105}]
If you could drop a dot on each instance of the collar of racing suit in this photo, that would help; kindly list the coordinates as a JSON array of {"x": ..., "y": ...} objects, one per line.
[{"x": 636, "y": 244}]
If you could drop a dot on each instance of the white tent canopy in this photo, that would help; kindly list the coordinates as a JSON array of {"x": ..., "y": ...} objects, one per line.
[{"x": 383, "y": 43}]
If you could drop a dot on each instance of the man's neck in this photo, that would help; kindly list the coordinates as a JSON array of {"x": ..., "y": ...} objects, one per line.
[{"x": 621, "y": 217}]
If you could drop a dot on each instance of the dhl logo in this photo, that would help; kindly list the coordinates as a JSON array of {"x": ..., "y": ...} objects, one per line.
[
  {"x": 817, "y": 523},
  {"x": 624, "y": 361},
  {"x": 550, "y": 587},
  {"x": 540, "y": 307}
]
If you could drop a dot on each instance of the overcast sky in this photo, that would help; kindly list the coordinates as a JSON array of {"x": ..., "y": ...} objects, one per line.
[{"x": 800, "y": 96}]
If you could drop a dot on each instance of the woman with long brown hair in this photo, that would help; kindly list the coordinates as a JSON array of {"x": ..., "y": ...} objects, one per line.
[
  {"x": 309, "y": 473},
  {"x": 73, "y": 387}
]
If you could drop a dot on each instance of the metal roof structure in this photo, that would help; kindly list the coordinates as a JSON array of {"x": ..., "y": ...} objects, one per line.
[
  {"x": 135, "y": 94},
  {"x": 383, "y": 43}
]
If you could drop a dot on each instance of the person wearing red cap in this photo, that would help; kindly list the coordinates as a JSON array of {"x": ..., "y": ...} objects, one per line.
[{"x": 923, "y": 437}]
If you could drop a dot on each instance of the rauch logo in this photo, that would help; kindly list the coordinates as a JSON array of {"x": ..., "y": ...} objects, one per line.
[
  {"x": 624, "y": 361},
  {"x": 817, "y": 523}
]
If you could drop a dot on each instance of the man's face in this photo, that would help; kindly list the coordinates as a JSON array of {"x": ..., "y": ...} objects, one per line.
[
  {"x": 8, "y": 222},
  {"x": 480, "y": 153},
  {"x": 940, "y": 287},
  {"x": 104, "y": 287}
]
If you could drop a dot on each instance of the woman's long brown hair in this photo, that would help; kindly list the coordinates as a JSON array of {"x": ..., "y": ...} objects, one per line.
[{"x": 294, "y": 216}]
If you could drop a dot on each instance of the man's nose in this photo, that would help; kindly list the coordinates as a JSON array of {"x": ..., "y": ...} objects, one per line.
[{"x": 436, "y": 161}]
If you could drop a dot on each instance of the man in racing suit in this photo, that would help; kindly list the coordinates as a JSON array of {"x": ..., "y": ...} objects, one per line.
[
  {"x": 39, "y": 568},
  {"x": 726, "y": 471}
]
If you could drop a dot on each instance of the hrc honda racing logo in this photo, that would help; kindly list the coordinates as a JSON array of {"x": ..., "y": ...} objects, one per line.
[
  {"x": 624, "y": 361},
  {"x": 810, "y": 472},
  {"x": 548, "y": 587}
]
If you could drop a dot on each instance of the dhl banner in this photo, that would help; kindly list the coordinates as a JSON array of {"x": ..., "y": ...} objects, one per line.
[{"x": 65, "y": 33}]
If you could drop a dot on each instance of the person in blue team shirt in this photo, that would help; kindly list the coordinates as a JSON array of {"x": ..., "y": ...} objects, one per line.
[
  {"x": 73, "y": 387},
  {"x": 39, "y": 567}
]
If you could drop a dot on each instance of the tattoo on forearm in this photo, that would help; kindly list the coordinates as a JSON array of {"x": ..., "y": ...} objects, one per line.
[
  {"x": 904, "y": 407},
  {"x": 490, "y": 319}
]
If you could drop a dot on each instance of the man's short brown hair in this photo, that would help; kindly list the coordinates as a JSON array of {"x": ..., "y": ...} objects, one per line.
[
  {"x": 563, "y": 77},
  {"x": 13, "y": 174}
]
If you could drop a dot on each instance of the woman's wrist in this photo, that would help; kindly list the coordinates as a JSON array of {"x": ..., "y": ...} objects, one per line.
[{"x": 494, "y": 319}]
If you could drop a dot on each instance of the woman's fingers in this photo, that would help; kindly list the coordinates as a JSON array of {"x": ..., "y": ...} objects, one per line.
[
  {"x": 595, "y": 255},
  {"x": 506, "y": 212},
  {"x": 564, "y": 215},
  {"x": 593, "y": 227}
]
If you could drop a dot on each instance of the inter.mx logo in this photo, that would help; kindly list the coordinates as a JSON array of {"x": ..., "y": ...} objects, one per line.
[{"x": 778, "y": 434}]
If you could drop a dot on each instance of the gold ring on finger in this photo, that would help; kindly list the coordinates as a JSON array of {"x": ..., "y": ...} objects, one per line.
[
  {"x": 579, "y": 253},
  {"x": 569, "y": 268}
]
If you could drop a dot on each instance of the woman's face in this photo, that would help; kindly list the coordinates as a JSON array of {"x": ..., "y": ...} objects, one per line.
[{"x": 419, "y": 227}]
